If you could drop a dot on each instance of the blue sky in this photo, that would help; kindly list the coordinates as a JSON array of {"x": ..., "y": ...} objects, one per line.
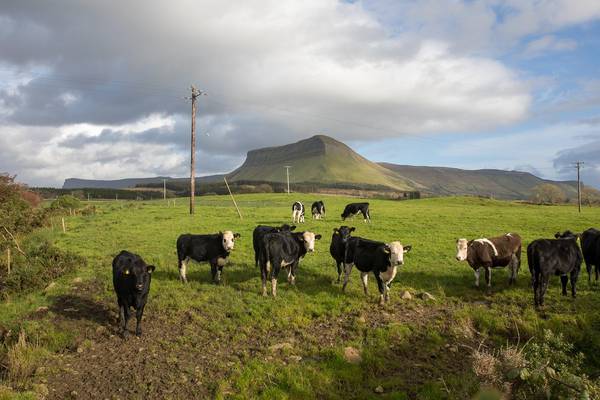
[{"x": 91, "y": 91}]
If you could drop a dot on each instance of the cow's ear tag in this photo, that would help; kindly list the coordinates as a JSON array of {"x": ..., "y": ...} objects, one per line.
[
  {"x": 126, "y": 272},
  {"x": 386, "y": 251}
]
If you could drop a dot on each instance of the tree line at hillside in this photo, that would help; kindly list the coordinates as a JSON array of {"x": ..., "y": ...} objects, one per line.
[
  {"x": 548, "y": 193},
  {"x": 103, "y": 193}
]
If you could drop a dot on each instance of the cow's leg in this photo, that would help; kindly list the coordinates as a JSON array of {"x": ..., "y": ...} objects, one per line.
[
  {"x": 138, "y": 320},
  {"x": 347, "y": 270},
  {"x": 536, "y": 278},
  {"x": 597, "y": 271},
  {"x": 183, "y": 269},
  {"x": 477, "y": 276},
  {"x": 488, "y": 277},
  {"x": 219, "y": 273},
  {"x": 364, "y": 277},
  {"x": 339, "y": 271},
  {"x": 564, "y": 279},
  {"x": 263, "y": 275},
  {"x": 382, "y": 289},
  {"x": 276, "y": 265},
  {"x": 124, "y": 316},
  {"x": 213, "y": 271},
  {"x": 574, "y": 277},
  {"x": 543, "y": 287}
]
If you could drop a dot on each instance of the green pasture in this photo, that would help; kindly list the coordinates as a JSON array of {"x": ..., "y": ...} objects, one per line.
[{"x": 314, "y": 317}]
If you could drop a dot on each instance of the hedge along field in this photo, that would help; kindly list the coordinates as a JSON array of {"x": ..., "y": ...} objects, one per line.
[{"x": 228, "y": 341}]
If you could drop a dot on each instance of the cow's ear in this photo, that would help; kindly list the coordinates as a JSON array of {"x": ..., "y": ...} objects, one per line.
[
  {"x": 126, "y": 271},
  {"x": 557, "y": 235},
  {"x": 335, "y": 230},
  {"x": 387, "y": 249},
  {"x": 150, "y": 268},
  {"x": 352, "y": 229},
  {"x": 407, "y": 248},
  {"x": 318, "y": 237},
  {"x": 292, "y": 227},
  {"x": 236, "y": 235}
]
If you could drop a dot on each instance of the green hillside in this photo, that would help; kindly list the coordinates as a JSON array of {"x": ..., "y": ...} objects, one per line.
[
  {"x": 498, "y": 183},
  {"x": 317, "y": 159}
]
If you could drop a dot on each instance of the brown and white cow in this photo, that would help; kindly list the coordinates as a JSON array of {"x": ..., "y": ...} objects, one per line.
[{"x": 488, "y": 253}]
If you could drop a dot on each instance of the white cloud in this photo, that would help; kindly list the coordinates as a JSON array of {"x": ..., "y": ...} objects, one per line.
[{"x": 548, "y": 43}]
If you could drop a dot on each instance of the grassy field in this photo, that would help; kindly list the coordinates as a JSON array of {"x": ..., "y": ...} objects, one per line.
[{"x": 202, "y": 340}]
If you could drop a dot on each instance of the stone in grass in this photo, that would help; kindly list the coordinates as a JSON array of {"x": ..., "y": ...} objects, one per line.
[
  {"x": 405, "y": 295},
  {"x": 352, "y": 355},
  {"x": 426, "y": 296},
  {"x": 378, "y": 389}
]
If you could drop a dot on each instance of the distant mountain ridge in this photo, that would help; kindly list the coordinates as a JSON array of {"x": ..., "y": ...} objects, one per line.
[{"x": 325, "y": 161}]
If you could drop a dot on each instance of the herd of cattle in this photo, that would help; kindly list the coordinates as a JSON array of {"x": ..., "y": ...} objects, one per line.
[{"x": 280, "y": 247}]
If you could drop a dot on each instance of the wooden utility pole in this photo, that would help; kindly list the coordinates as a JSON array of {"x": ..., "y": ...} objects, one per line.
[
  {"x": 193, "y": 97},
  {"x": 578, "y": 165},
  {"x": 287, "y": 173},
  {"x": 164, "y": 189}
]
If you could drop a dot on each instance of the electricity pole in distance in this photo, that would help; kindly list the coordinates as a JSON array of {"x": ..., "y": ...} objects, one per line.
[
  {"x": 578, "y": 165},
  {"x": 193, "y": 97},
  {"x": 287, "y": 173}
]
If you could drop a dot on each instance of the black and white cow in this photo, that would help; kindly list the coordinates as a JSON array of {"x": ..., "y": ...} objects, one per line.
[
  {"x": 261, "y": 230},
  {"x": 380, "y": 258},
  {"x": 337, "y": 248},
  {"x": 283, "y": 249},
  {"x": 214, "y": 248},
  {"x": 131, "y": 280},
  {"x": 318, "y": 209},
  {"x": 496, "y": 252},
  {"x": 297, "y": 212},
  {"x": 590, "y": 245},
  {"x": 353, "y": 209},
  {"x": 560, "y": 256}
]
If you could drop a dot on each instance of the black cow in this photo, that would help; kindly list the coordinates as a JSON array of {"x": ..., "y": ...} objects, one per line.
[
  {"x": 283, "y": 249},
  {"x": 560, "y": 256},
  {"x": 262, "y": 230},
  {"x": 590, "y": 244},
  {"x": 500, "y": 251},
  {"x": 337, "y": 248},
  {"x": 353, "y": 209},
  {"x": 213, "y": 248},
  {"x": 131, "y": 280},
  {"x": 297, "y": 212},
  {"x": 380, "y": 258},
  {"x": 318, "y": 209}
]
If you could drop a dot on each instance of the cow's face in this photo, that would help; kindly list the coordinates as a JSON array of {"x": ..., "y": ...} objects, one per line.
[
  {"x": 566, "y": 235},
  {"x": 140, "y": 274},
  {"x": 397, "y": 251},
  {"x": 344, "y": 232},
  {"x": 229, "y": 239},
  {"x": 309, "y": 239},
  {"x": 461, "y": 249}
]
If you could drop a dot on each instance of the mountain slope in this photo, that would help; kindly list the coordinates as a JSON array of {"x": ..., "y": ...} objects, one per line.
[
  {"x": 498, "y": 183},
  {"x": 317, "y": 159}
]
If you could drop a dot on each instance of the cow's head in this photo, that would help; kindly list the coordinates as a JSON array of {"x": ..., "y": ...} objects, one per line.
[
  {"x": 228, "y": 240},
  {"x": 567, "y": 235},
  {"x": 309, "y": 238},
  {"x": 462, "y": 246},
  {"x": 396, "y": 251},
  {"x": 139, "y": 273},
  {"x": 344, "y": 232}
]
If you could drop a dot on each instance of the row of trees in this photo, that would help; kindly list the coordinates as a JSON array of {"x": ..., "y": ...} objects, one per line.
[{"x": 548, "y": 193}]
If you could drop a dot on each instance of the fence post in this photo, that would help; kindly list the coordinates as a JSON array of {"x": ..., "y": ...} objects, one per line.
[
  {"x": 63, "y": 224},
  {"x": 8, "y": 260}
]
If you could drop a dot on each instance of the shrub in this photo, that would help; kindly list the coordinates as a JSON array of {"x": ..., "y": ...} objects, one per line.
[
  {"x": 547, "y": 193},
  {"x": 66, "y": 202},
  {"x": 22, "y": 360}
]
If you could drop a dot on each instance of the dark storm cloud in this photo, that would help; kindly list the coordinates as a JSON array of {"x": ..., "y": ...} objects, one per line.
[{"x": 589, "y": 154}]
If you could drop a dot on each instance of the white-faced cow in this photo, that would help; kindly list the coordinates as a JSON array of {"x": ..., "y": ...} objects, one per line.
[
  {"x": 488, "y": 253},
  {"x": 560, "y": 256},
  {"x": 280, "y": 250},
  {"x": 260, "y": 231},
  {"x": 353, "y": 209},
  {"x": 214, "y": 248},
  {"x": 131, "y": 280},
  {"x": 318, "y": 209},
  {"x": 337, "y": 248},
  {"x": 383, "y": 259},
  {"x": 590, "y": 245},
  {"x": 297, "y": 212}
]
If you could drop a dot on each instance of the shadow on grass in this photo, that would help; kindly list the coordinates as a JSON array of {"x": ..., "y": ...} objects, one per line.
[{"x": 76, "y": 307}]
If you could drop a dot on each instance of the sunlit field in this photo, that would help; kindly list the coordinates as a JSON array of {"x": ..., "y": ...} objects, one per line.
[{"x": 203, "y": 340}]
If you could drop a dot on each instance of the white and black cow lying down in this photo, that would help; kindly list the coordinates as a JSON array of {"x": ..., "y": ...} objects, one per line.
[
  {"x": 280, "y": 250},
  {"x": 353, "y": 209},
  {"x": 260, "y": 231},
  {"x": 337, "y": 248},
  {"x": 131, "y": 280},
  {"x": 380, "y": 258},
  {"x": 590, "y": 245},
  {"x": 214, "y": 248},
  {"x": 297, "y": 212},
  {"x": 488, "y": 253},
  {"x": 560, "y": 256},
  {"x": 318, "y": 209}
]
